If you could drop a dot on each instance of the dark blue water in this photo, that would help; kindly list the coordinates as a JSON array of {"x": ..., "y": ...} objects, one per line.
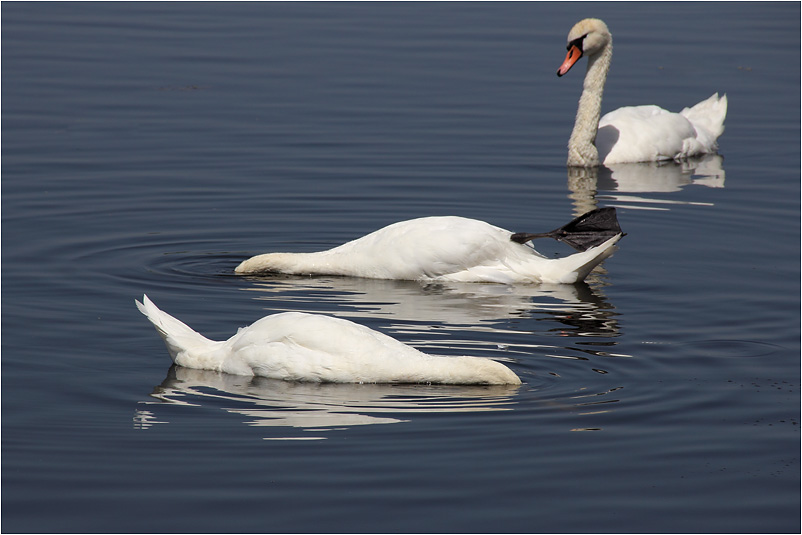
[{"x": 149, "y": 148}]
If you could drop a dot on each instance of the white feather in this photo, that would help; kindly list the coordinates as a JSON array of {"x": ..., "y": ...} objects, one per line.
[
  {"x": 447, "y": 248},
  {"x": 633, "y": 133},
  {"x": 295, "y": 346}
]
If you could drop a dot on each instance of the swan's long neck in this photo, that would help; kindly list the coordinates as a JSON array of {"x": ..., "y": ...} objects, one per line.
[
  {"x": 329, "y": 262},
  {"x": 581, "y": 148}
]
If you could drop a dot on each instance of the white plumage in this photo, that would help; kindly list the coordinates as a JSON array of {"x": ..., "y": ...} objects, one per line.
[
  {"x": 446, "y": 248},
  {"x": 295, "y": 346},
  {"x": 632, "y": 133}
]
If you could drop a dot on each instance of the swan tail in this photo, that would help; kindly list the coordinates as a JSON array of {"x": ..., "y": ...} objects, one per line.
[
  {"x": 178, "y": 337},
  {"x": 577, "y": 267},
  {"x": 583, "y": 233},
  {"x": 708, "y": 115}
]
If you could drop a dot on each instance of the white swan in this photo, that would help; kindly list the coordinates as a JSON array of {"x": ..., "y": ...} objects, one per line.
[
  {"x": 632, "y": 133},
  {"x": 455, "y": 249},
  {"x": 294, "y": 346}
]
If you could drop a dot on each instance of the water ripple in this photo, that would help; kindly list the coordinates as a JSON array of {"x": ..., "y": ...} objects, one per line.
[{"x": 317, "y": 407}]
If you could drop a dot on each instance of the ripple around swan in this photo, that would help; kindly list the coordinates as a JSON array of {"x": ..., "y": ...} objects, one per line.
[
  {"x": 316, "y": 407},
  {"x": 129, "y": 168},
  {"x": 311, "y": 411},
  {"x": 623, "y": 185},
  {"x": 164, "y": 260},
  {"x": 725, "y": 349},
  {"x": 490, "y": 320},
  {"x": 449, "y": 306}
]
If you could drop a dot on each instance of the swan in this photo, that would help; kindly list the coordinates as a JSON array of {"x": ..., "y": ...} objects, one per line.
[
  {"x": 296, "y": 346},
  {"x": 455, "y": 249},
  {"x": 632, "y": 133}
]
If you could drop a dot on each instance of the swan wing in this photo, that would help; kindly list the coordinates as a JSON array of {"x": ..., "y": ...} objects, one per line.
[
  {"x": 650, "y": 133},
  {"x": 296, "y": 346},
  {"x": 642, "y": 134},
  {"x": 425, "y": 248}
]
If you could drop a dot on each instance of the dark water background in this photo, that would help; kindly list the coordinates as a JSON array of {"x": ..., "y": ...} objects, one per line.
[{"x": 149, "y": 147}]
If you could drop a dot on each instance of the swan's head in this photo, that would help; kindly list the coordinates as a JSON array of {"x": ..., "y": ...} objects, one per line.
[{"x": 586, "y": 38}]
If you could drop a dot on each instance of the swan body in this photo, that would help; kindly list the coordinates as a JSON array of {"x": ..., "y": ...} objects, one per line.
[
  {"x": 447, "y": 248},
  {"x": 295, "y": 346},
  {"x": 632, "y": 133}
]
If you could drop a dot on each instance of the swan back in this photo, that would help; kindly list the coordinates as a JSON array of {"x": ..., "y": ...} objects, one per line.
[
  {"x": 443, "y": 248},
  {"x": 311, "y": 347},
  {"x": 295, "y": 346},
  {"x": 641, "y": 134},
  {"x": 650, "y": 133},
  {"x": 421, "y": 248}
]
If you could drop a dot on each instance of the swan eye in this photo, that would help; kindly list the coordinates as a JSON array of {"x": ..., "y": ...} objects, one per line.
[{"x": 576, "y": 42}]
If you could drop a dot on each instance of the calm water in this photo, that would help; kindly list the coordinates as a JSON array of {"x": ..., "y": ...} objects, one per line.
[{"x": 148, "y": 148}]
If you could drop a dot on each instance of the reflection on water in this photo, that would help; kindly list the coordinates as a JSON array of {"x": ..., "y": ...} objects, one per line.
[
  {"x": 432, "y": 316},
  {"x": 315, "y": 406},
  {"x": 651, "y": 177},
  {"x": 308, "y": 411},
  {"x": 450, "y": 306}
]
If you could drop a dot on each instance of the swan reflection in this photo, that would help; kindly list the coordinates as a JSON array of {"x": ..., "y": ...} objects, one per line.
[
  {"x": 652, "y": 177},
  {"x": 317, "y": 407},
  {"x": 448, "y": 306}
]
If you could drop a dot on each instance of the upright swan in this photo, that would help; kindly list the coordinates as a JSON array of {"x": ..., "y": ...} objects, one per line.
[
  {"x": 294, "y": 346},
  {"x": 455, "y": 249},
  {"x": 632, "y": 133}
]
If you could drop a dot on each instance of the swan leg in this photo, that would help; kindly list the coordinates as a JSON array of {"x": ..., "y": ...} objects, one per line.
[{"x": 588, "y": 230}]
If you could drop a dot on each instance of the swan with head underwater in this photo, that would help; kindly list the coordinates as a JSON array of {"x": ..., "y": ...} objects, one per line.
[
  {"x": 455, "y": 249},
  {"x": 633, "y": 133},
  {"x": 296, "y": 346}
]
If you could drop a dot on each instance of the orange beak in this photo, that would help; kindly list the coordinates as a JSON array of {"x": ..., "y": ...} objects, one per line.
[{"x": 574, "y": 53}]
